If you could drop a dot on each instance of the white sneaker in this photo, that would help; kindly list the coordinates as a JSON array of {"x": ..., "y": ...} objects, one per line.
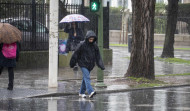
[
  {"x": 82, "y": 95},
  {"x": 92, "y": 94}
]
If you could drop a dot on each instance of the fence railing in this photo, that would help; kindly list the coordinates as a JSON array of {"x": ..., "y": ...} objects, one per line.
[
  {"x": 31, "y": 20},
  {"x": 159, "y": 24}
]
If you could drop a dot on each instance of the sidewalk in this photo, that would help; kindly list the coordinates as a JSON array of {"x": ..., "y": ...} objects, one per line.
[{"x": 34, "y": 82}]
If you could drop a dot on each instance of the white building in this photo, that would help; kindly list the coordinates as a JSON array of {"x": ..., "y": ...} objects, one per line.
[
  {"x": 120, "y": 3},
  {"x": 166, "y": 1},
  {"x": 162, "y": 1},
  {"x": 77, "y": 2}
]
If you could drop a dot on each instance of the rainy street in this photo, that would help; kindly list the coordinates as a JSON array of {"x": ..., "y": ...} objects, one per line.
[
  {"x": 169, "y": 99},
  {"x": 35, "y": 83},
  {"x": 125, "y": 55}
]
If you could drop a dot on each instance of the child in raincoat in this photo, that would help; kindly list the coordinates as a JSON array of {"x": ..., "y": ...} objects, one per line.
[{"x": 86, "y": 55}]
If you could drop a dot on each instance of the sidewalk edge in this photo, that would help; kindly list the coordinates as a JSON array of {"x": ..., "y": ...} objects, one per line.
[{"x": 106, "y": 91}]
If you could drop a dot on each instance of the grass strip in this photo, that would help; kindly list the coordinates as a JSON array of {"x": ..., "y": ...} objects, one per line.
[
  {"x": 123, "y": 45},
  {"x": 173, "y": 60},
  {"x": 143, "y": 82},
  {"x": 184, "y": 74},
  {"x": 156, "y": 47}
]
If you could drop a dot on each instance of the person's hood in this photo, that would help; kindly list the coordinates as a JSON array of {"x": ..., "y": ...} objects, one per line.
[{"x": 90, "y": 34}]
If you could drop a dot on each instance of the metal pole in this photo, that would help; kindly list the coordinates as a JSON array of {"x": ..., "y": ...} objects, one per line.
[
  {"x": 53, "y": 43},
  {"x": 100, "y": 75},
  {"x": 33, "y": 25}
]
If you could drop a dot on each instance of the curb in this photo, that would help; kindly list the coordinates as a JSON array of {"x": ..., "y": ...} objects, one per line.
[{"x": 106, "y": 91}]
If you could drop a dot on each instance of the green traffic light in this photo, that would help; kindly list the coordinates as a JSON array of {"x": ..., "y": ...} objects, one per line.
[{"x": 94, "y": 6}]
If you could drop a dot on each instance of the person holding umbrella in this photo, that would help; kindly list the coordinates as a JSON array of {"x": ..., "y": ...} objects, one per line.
[
  {"x": 9, "y": 50},
  {"x": 86, "y": 55},
  {"x": 74, "y": 37},
  {"x": 75, "y": 33}
]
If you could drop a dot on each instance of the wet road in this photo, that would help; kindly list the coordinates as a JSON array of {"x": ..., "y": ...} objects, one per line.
[
  {"x": 30, "y": 82},
  {"x": 170, "y": 99},
  {"x": 120, "y": 63}
]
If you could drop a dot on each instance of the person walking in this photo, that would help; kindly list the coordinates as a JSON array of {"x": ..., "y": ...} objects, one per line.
[
  {"x": 86, "y": 55},
  {"x": 10, "y": 62}
]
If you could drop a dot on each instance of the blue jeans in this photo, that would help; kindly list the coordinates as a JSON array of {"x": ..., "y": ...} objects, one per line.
[{"x": 86, "y": 81}]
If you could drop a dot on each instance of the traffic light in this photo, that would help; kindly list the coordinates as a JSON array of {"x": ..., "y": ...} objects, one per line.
[{"x": 94, "y": 5}]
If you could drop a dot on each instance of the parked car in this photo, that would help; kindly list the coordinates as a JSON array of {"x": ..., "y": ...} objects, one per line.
[{"x": 37, "y": 40}]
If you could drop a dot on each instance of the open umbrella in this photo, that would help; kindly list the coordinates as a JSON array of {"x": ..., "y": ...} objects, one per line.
[
  {"x": 74, "y": 18},
  {"x": 9, "y": 33}
]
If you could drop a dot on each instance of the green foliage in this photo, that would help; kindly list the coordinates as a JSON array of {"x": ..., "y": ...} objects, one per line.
[
  {"x": 123, "y": 45},
  {"x": 115, "y": 10},
  {"x": 183, "y": 13},
  {"x": 140, "y": 80},
  {"x": 157, "y": 47},
  {"x": 184, "y": 9},
  {"x": 149, "y": 85},
  {"x": 184, "y": 74},
  {"x": 174, "y": 48},
  {"x": 160, "y": 25},
  {"x": 183, "y": 48},
  {"x": 115, "y": 20},
  {"x": 174, "y": 60},
  {"x": 127, "y": 57},
  {"x": 160, "y": 20},
  {"x": 143, "y": 82},
  {"x": 160, "y": 9},
  {"x": 126, "y": 45}
]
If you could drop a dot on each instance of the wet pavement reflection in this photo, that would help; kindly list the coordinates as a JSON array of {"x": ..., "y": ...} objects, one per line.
[
  {"x": 121, "y": 61},
  {"x": 35, "y": 81},
  {"x": 168, "y": 99},
  {"x": 29, "y": 82}
]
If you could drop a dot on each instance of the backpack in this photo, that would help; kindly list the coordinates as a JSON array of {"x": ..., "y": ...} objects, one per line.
[{"x": 9, "y": 50}]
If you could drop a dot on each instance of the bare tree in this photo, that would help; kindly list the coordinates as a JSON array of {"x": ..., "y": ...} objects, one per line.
[
  {"x": 168, "y": 50},
  {"x": 142, "y": 54}
]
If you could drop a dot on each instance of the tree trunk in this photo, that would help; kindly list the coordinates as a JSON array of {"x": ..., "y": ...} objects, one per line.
[
  {"x": 142, "y": 53},
  {"x": 168, "y": 50}
]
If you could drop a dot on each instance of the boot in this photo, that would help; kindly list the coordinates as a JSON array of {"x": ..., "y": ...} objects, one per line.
[
  {"x": 10, "y": 87},
  {"x": 11, "y": 78},
  {"x": 1, "y": 70}
]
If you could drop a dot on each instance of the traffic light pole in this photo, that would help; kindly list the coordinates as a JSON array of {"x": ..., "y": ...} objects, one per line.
[{"x": 100, "y": 75}]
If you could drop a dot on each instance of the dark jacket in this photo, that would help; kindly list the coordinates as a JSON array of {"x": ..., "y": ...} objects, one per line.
[
  {"x": 87, "y": 54},
  {"x": 72, "y": 40},
  {"x": 4, "y": 62}
]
